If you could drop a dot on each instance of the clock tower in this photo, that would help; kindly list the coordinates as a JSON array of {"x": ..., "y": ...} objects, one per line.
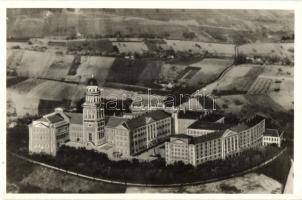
[{"x": 93, "y": 115}]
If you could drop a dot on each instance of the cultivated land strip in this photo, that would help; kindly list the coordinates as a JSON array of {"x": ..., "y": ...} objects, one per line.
[
  {"x": 221, "y": 75},
  {"x": 151, "y": 185}
]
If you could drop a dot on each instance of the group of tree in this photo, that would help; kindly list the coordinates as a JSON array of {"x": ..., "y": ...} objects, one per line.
[{"x": 98, "y": 164}]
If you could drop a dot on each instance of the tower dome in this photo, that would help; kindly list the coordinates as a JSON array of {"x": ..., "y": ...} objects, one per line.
[{"x": 92, "y": 82}]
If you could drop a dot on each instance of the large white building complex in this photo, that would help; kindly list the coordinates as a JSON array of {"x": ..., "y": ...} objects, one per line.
[
  {"x": 190, "y": 137},
  {"x": 205, "y": 141},
  {"x": 127, "y": 135}
]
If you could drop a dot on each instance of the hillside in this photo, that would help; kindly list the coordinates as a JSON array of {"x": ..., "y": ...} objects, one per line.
[{"x": 204, "y": 25}]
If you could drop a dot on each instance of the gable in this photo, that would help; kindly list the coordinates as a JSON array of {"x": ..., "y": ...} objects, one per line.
[
  {"x": 149, "y": 120},
  {"x": 40, "y": 125},
  {"x": 178, "y": 141},
  {"x": 229, "y": 133},
  {"x": 122, "y": 126}
]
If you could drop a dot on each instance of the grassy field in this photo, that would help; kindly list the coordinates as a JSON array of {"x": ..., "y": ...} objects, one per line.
[
  {"x": 215, "y": 49},
  {"x": 277, "y": 82},
  {"x": 210, "y": 69},
  {"x": 96, "y": 65},
  {"x": 222, "y": 25},
  {"x": 131, "y": 47},
  {"x": 140, "y": 72},
  {"x": 39, "y": 64},
  {"x": 252, "y": 183},
  {"x": 238, "y": 79},
  {"x": 244, "y": 104},
  {"x": 30, "y": 63},
  {"x": 279, "y": 50},
  {"x": 33, "y": 91},
  {"x": 170, "y": 72},
  {"x": 261, "y": 86},
  {"x": 96, "y": 45}
]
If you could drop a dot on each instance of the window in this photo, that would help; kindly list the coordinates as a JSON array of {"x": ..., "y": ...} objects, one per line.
[{"x": 90, "y": 136}]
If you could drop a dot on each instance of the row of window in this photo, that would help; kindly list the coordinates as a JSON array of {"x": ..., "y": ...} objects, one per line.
[{"x": 272, "y": 139}]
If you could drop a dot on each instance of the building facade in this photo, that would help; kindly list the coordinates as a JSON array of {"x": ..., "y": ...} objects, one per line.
[
  {"x": 93, "y": 116},
  {"x": 217, "y": 144},
  {"x": 208, "y": 123},
  {"x": 131, "y": 136},
  {"x": 182, "y": 119},
  {"x": 272, "y": 136},
  {"x": 48, "y": 133}
]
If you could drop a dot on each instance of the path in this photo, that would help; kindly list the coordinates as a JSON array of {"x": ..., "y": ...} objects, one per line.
[{"x": 209, "y": 87}]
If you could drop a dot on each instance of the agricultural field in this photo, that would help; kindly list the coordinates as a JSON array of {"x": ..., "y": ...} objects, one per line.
[
  {"x": 262, "y": 86},
  {"x": 155, "y": 44},
  {"x": 214, "y": 49},
  {"x": 237, "y": 80},
  {"x": 242, "y": 104},
  {"x": 33, "y": 91},
  {"x": 39, "y": 64},
  {"x": 94, "y": 65},
  {"x": 285, "y": 96},
  {"x": 96, "y": 45},
  {"x": 131, "y": 47},
  {"x": 142, "y": 72},
  {"x": 272, "y": 50},
  {"x": 170, "y": 72},
  {"x": 277, "y": 82},
  {"x": 210, "y": 69}
]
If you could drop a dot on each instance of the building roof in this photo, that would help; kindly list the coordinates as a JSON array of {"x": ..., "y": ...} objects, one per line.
[
  {"x": 189, "y": 114},
  {"x": 212, "y": 117},
  {"x": 181, "y": 136},
  {"x": 199, "y": 102},
  {"x": 42, "y": 119},
  {"x": 271, "y": 132},
  {"x": 154, "y": 102},
  {"x": 248, "y": 123},
  {"x": 54, "y": 118},
  {"x": 254, "y": 120},
  {"x": 144, "y": 118},
  {"x": 92, "y": 82},
  {"x": 200, "y": 139},
  {"x": 157, "y": 115},
  {"x": 138, "y": 121},
  {"x": 240, "y": 127},
  {"x": 75, "y": 118},
  {"x": 208, "y": 125},
  {"x": 207, "y": 137},
  {"x": 114, "y": 121}
]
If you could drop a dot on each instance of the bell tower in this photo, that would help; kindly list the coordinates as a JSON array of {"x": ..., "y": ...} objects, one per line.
[{"x": 93, "y": 115}]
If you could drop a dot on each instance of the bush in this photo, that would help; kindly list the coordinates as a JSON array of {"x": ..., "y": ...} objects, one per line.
[{"x": 229, "y": 189}]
